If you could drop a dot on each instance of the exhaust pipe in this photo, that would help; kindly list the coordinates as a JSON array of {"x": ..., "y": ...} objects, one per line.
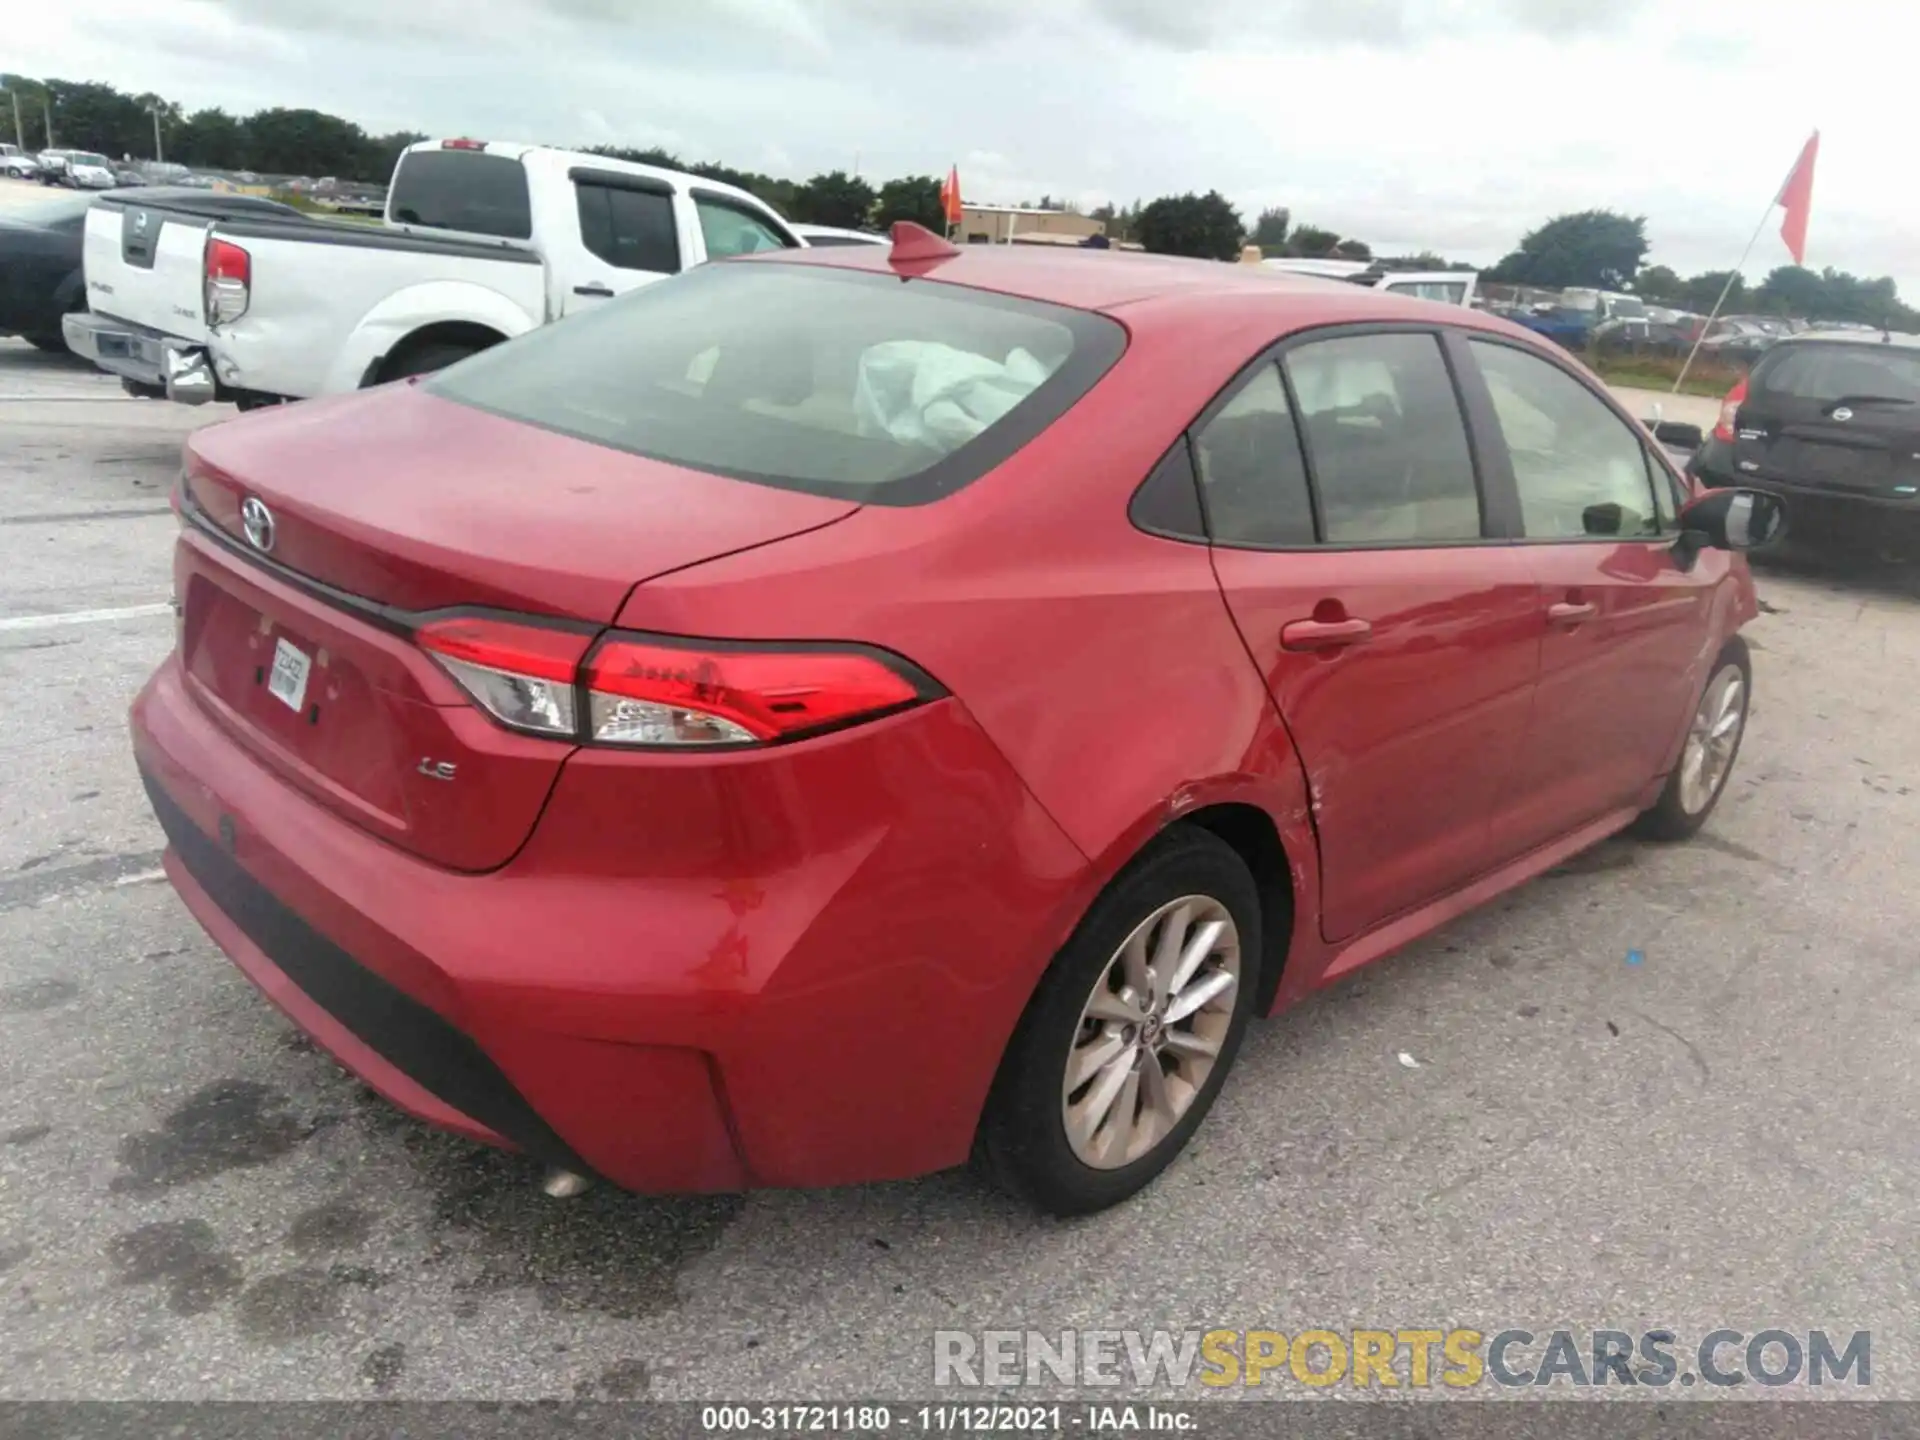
[{"x": 563, "y": 1184}]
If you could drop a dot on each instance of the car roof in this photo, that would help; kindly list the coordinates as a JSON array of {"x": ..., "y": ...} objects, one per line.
[
  {"x": 1161, "y": 291},
  {"x": 1851, "y": 337}
]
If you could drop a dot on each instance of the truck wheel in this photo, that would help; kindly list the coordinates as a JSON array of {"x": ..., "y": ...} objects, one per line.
[
  {"x": 425, "y": 359},
  {"x": 54, "y": 344}
]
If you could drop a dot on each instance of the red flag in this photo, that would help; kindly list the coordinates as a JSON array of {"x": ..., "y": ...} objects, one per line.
[
  {"x": 950, "y": 197},
  {"x": 1797, "y": 196}
]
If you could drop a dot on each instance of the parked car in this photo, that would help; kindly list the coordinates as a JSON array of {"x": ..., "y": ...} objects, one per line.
[
  {"x": 128, "y": 175},
  {"x": 831, "y": 235},
  {"x": 17, "y": 164},
  {"x": 76, "y": 169},
  {"x": 40, "y": 279},
  {"x": 791, "y": 727},
  {"x": 481, "y": 242},
  {"x": 1449, "y": 287},
  {"x": 1830, "y": 418}
]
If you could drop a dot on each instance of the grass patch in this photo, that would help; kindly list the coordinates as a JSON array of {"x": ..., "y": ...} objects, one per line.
[{"x": 1709, "y": 377}]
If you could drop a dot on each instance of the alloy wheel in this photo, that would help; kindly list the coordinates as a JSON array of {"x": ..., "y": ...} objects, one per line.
[
  {"x": 1151, "y": 1032},
  {"x": 1712, "y": 739}
]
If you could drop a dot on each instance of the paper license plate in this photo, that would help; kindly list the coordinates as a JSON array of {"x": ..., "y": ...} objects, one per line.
[{"x": 287, "y": 681}]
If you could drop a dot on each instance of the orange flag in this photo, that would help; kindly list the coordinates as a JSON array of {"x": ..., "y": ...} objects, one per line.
[
  {"x": 1797, "y": 196},
  {"x": 950, "y": 197}
]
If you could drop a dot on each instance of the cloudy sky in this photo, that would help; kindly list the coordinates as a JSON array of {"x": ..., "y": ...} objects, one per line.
[{"x": 1451, "y": 125}]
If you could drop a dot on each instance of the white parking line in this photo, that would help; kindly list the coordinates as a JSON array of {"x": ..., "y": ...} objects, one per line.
[{"x": 84, "y": 617}]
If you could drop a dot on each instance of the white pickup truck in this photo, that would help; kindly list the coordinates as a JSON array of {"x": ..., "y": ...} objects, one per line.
[
  {"x": 481, "y": 242},
  {"x": 1449, "y": 287}
]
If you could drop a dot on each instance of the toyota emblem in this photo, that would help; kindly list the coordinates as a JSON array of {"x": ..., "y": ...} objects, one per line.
[
  {"x": 257, "y": 521},
  {"x": 1843, "y": 413}
]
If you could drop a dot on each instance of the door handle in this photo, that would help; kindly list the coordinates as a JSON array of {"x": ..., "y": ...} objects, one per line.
[
  {"x": 595, "y": 289},
  {"x": 1570, "y": 614},
  {"x": 1323, "y": 634}
]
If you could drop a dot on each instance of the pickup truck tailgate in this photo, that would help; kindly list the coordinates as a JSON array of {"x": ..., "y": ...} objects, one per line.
[{"x": 143, "y": 264}]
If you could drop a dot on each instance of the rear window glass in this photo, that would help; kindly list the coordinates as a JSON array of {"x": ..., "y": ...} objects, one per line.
[
  {"x": 834, "y": 382},
  {"x": 1833, "y": 372},
  {"x": 462, "y": 190}
]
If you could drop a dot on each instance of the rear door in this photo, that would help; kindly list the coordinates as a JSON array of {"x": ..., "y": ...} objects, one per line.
[
  {"x": 1837, "y": 416},
  {"x": 1623, "y": 624},
  {"x": 628, "y": 235},
  {"x": 1398, "y": 636}
]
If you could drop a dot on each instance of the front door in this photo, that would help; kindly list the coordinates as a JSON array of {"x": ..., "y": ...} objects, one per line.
[
  {"x": 1398, "y": 642},
  {"x": 1622, "y": 622}
]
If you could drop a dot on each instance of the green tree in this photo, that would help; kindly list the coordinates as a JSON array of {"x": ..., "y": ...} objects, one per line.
[
  {"x": 1206, "y": 227},
  {"x": 912, "y": 197},
  {"x": 1659, "y": 284},
  {"x": 835, "y": 198},
  {"x": 26, "y": 100},
  {"x": 1353, "y": 250},
  {"x": 1700, "y": 292},
  {"x": 1312, "y": 242},
  {"x": 211, "y": 139},
  {"x": 307, "y": 142},
  {"x": 1598, "y": 248},
  {"x": 89, "y": 116},
  {"x": 1270, "y": 230},
  {"x": 1795, "y": 290}
]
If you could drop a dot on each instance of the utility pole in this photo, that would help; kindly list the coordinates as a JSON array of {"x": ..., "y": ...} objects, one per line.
[
  {"x": 154, "y": 110},
  {"x": 19, "y": 131},
  {"x": 46, "y": 109}
]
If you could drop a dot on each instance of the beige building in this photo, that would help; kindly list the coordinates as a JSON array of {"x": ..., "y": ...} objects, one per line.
[{"x": 997, "y": 224}]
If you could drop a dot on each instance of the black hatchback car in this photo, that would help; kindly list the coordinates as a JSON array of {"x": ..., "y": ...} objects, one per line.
[{"x": 1829, "y": 419}]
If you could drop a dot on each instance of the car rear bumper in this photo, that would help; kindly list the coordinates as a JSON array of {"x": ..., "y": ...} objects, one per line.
[
  {"x": 769, "y": 1018},
  {"x": 179, "y": 368},
  {"x": 1713, "y": 465}
]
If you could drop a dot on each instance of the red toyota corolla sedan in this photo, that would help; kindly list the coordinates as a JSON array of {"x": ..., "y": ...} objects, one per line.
[{"x": 834, "y": 713}]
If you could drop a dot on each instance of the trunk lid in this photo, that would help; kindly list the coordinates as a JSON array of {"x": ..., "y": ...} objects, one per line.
[
  {"x": 1842, "y": 417},
  {"x": 394, "y": 502}
]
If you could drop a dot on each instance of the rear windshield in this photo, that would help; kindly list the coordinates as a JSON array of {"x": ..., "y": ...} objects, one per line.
[
  {"x": 835, "y": 382},
  {"x": 1833, "y": 372},
  {"x": 462, "y": 190}
]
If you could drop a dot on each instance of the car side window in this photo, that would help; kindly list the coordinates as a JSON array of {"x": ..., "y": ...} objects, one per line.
[
  {"x": 730, "y": 230},
  {"x": 1385, "y": 438},
  {"x": 1669, "y": 494},
  {"x": 1580, "y": 469},
  {"x": 1251, "y": 472},
  {"x": 629, "y": 229}
]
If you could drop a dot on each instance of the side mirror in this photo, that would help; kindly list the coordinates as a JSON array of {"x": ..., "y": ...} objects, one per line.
[{"x": 1734, "y": 519}]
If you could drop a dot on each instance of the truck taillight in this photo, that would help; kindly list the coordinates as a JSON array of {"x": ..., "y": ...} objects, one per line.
[
  {"x": 229, "y": 281},
  {"x": 463, "y": 144},
  {"x": 666, "y": 692},
  {"x": 1724, "y": 429}
]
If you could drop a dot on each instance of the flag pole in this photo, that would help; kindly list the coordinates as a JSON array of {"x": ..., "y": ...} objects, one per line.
[{"x": 1727, "y": 289}]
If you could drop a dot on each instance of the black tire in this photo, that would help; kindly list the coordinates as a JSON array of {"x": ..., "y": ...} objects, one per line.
[
  {"x": 1023, "y": 1143},
  {"x": 424, "y": 360},
  {"x": 1669, "y": 818},
  {"x": 55, "y": 344}
]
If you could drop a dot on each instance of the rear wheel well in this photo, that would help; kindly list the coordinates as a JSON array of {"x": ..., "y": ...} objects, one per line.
[
  {"x": 1254, "y": 837},
  {"x": 449, "y": 335}
]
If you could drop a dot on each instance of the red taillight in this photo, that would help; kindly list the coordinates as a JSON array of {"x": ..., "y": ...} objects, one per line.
[
  {"x": 650, "y": 690},
  {"x": 463, "y": 144},
  {"x": 662, "y": 691},
  {"x": 1723, "y": 431},
  {"x": 229, "y": 281}
]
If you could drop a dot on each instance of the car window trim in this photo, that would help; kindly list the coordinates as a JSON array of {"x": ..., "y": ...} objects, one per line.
[
  {"x": 620, "y": 180},
  {"x": 583, "y": 182},
  {"x": 1274, "y": 353},
  {"x": 1497, "y": 440}
]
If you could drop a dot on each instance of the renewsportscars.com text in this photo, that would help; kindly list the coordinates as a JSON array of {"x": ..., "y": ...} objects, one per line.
[{"x": 1400, "y": 1358}]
